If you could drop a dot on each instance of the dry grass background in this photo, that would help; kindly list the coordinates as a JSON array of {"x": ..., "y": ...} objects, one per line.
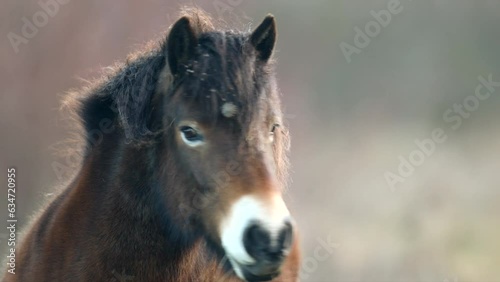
[{"x": 349, "y": 123}]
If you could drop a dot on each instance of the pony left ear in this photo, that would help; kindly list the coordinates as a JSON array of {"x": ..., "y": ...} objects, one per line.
[
  {"x": 264, "y": 37},
  {"x": 181, "y": 44}
]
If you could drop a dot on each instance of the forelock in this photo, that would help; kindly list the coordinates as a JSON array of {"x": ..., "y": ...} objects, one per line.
[{"x": 222, "y": 78}]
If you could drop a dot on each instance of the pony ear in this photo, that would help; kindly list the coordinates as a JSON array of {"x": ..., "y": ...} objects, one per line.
[
  {"x": 264, "y": 37},
  {"x": 180, "y": 46}
]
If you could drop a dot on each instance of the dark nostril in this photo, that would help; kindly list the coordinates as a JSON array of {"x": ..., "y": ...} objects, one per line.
[{"x": 257, "y": 242}]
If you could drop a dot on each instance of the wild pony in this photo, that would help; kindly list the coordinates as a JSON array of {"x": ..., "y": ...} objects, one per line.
[{"x": 184, "y": 169}]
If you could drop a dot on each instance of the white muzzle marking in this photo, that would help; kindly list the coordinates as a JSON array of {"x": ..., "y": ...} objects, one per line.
[{"x": 271, "y": 215}]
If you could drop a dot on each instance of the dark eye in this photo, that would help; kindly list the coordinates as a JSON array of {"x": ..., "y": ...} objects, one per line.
[
  {"x": 190, "y": 134},
  {"x": 274, "y": 127},
  {"x": 271, "y": 133}
]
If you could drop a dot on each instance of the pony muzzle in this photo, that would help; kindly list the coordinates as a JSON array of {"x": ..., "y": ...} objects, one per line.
[{"x": 257, "y": 236}]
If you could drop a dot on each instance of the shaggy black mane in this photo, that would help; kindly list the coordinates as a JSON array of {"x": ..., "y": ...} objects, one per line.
[{"x": 125, "y": 98}]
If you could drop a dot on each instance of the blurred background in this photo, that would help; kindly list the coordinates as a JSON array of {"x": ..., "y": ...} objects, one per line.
[{"x": 358, "y": 90}]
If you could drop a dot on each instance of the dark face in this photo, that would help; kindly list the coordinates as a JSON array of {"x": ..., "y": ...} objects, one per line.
[{"x": 227, "y": 128}]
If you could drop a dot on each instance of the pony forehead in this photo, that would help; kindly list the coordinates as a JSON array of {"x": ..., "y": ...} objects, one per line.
[{"x": 221, "y": 79}]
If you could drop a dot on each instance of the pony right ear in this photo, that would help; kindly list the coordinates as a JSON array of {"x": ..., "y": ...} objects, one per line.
[
  {"x": 180, "y": 46},
  {"x": 263, "y": 38}
]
